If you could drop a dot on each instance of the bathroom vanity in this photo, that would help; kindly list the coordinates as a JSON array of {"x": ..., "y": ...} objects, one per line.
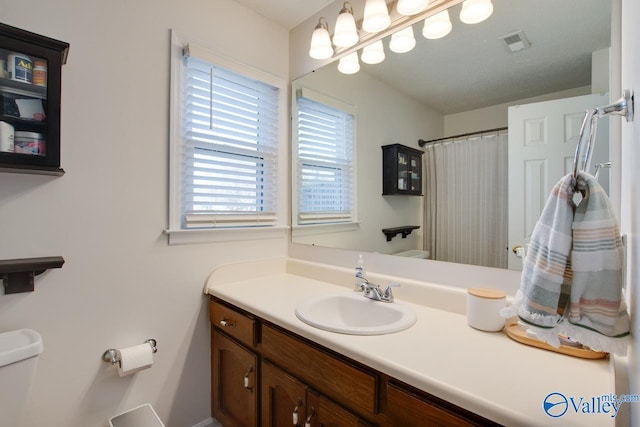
[{"x": 271, "y": 369}]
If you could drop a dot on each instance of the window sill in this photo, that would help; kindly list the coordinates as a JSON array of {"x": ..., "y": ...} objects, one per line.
[
  {"x": 187, "y": 237},
  {"x": 313, "y": 229}
]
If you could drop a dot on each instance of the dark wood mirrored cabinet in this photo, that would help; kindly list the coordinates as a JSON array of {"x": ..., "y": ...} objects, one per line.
[{"x": 30, "y": 99}]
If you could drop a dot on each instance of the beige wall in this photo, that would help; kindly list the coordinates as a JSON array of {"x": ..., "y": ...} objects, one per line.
[{"x": 121, "y": 282}]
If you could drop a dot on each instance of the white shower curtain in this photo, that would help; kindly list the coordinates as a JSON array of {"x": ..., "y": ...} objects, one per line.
[{"x": 465, "y": 199}]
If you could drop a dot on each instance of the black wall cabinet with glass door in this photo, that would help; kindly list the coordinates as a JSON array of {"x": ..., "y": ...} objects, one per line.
[
  {"x": 401, "y": 170},
  {"x": 30, "y": 92}
]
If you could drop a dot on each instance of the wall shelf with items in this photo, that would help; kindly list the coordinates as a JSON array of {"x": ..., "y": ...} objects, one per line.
[
  {"x": 401, "y": 170},
  {"x": 30, "y": 99}
]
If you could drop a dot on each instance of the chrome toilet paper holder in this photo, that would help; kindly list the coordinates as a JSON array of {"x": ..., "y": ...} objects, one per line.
[{"x": 111, "y": 355}]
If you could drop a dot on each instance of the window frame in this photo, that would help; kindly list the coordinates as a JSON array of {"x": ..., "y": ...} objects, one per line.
[
  {"x": 178, "y": 235},
  {"x": 307, "y": 229}
]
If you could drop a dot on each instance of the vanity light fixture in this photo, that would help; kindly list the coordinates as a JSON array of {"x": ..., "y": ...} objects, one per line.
[
  {"x": 437, "y": 26},
  {"x": 475, "y": 11},
  {"x": 411, "y": 7},
  {"x": 346, "y": 34},
  {"x": 403, "y": 40},
  {"x": 376, "y": 16},
  {"x": 349, "y": 64},
  {"x": 321, "y": 41},
  {"x": 373, "y": 53}
]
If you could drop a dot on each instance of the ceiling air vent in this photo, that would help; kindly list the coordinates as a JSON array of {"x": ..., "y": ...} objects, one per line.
[{"x": 515, "y": 41}]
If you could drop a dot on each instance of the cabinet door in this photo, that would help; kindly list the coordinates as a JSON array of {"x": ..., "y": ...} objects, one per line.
[
  {"x": 283, "y": 398},
  {"x": 234, "y": 386},
  {"x": 322, "y": 412},
  {"x": 403, "y": 171},
  {"x": 407, "y": 409},
  {"x": 414, "y": 177}
]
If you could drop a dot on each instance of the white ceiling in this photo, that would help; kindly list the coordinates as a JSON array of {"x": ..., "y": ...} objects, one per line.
[
  {"x": 288, "y": 13},
  {"x": 471, "y": 68}
]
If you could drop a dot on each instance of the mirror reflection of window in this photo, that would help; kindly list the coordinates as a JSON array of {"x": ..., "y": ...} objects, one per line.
[{"x": 324, "y": 161}]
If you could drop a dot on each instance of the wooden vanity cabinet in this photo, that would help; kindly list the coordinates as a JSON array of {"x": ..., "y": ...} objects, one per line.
[{"x": 262, "y": 374}]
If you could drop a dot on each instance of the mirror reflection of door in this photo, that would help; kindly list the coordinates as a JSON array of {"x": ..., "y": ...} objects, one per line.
[{"x": 542, "y": 143}]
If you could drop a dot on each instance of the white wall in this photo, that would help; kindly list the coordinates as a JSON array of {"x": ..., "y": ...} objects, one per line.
[
  {"x": 121, "y": 282},
  {"x": 391, "y": 117},
  {"x": 496, "y": 116}
]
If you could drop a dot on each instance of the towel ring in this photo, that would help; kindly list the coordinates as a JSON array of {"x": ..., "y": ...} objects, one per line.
[{"x": 622, "y": 107}]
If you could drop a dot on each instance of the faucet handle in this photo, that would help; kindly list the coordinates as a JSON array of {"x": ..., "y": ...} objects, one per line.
[{"x": 388, "y": 295}]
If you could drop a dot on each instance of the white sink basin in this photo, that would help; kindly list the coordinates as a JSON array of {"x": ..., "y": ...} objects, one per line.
[{"x": 355, "y": 315}]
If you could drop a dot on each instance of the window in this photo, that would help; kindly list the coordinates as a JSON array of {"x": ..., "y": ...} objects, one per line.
[
  {"x": 225, "y": 144},
  {"x": 324, "y": 160}
]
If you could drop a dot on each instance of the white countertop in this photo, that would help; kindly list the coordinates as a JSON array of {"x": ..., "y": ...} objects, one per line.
[{"x": 485, "y": 373}]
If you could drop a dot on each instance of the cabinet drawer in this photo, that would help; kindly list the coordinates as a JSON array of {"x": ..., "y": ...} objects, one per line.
[
  {"x": 405, "y": 408},
  {"x": 333, "y": 377},
  {"x": 232, "y": 322}
]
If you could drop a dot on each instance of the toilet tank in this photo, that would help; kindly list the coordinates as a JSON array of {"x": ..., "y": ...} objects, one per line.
[{"x": 18, "y": 355}]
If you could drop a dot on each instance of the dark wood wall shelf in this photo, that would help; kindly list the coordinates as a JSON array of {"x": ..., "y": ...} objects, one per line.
[
  {"x": 18, "y": 274},
  {"x": 405, "y": 230}
]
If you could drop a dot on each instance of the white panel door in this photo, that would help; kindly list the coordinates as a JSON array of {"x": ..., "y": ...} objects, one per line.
[{"x": 542, "y": 140}]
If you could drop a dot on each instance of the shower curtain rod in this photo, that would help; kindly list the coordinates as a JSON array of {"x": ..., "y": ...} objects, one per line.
[{"x": 422, "y": 142}]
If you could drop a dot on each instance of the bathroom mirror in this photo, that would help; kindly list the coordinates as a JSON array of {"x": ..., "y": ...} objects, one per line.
[{"x": 462, "y": 83}]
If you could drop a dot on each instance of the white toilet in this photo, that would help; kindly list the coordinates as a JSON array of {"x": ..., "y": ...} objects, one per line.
[
  {"x": 18, "y": 356},
  {"x": 414, "y": 253}
]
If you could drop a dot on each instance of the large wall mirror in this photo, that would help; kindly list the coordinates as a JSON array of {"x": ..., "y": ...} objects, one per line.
[{"x": 477, "y": 204}]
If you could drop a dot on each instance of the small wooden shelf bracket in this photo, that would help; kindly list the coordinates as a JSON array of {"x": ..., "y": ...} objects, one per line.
[
  {"x": 404, "y": 230},
  {"x": 18, "y": 274}
]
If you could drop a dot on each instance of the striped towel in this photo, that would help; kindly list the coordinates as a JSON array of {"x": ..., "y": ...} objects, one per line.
[{"x": 571, "y": 281}]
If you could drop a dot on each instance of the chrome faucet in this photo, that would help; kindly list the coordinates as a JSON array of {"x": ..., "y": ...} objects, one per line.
[{"x": 374, "y": 292}]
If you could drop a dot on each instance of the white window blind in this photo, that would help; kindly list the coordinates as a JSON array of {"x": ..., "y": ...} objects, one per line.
[
  {"x": 229, "y": 148},
  {"x": 324, "y": 163}
]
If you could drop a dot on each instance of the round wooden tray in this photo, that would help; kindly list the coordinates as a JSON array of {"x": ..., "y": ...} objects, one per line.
[{"x": 519, "y": 335}]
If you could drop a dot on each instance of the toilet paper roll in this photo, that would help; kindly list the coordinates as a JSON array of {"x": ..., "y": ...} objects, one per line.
[{"x": 134, "y": 359}]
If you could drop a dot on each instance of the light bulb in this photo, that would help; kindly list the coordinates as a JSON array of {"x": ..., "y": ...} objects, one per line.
[
  {"x": 402, "y": 41},
  {"x": 346, "y": 34},
  {"x": 321, "y": 42},
  {"x": 411, "y": 7},
  {"x": 437, "y": 26},
  {"x": 376, "y": 16},
  {"x": 373, "y": 53},
  {"x": 349, "y": 64},
  {"x": 474, "y": 11}
]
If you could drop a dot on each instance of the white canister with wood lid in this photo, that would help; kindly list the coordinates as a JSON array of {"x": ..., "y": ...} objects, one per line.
[{"x": 483, "y": 309}]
